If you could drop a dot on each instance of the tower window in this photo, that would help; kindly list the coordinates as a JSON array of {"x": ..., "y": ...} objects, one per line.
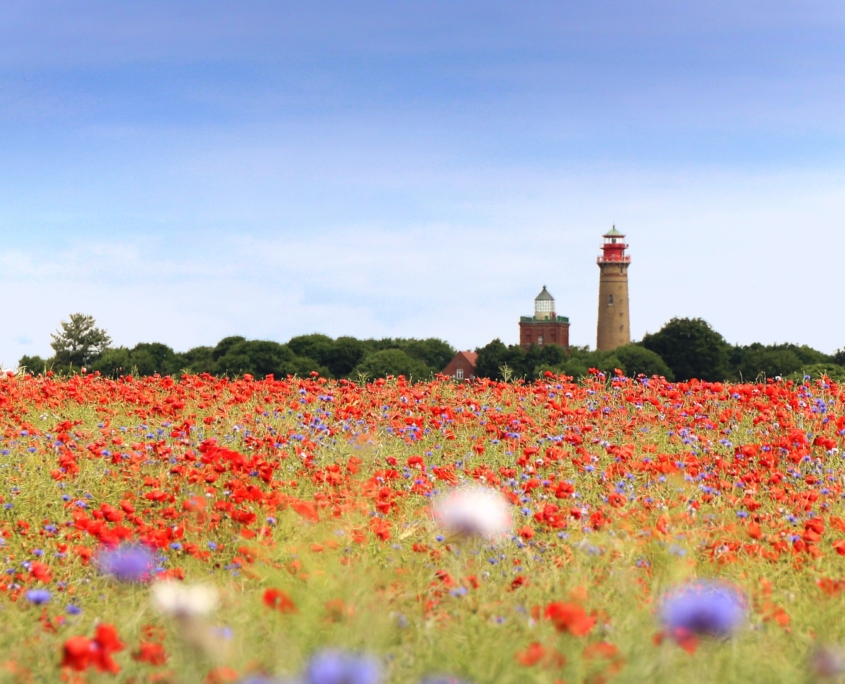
[
  {"x": 610, "y": 300},
  {"x": 459, "y": 374}
]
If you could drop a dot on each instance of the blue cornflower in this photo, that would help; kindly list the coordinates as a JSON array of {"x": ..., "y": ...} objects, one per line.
[
  {"x": 339, "y": 667},
  {"x": 127, "y": 563},
  {"x": 704, "y": 608},
  {"x": 38, "y": 596}
]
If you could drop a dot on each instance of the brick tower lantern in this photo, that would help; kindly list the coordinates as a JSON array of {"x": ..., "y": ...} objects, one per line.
[
  {"x": 545, "y": 326},
  {"x": 614, "y": 328}
]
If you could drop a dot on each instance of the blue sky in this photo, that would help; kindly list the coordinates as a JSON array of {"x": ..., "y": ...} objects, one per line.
[{"x": 188, "y": 170}]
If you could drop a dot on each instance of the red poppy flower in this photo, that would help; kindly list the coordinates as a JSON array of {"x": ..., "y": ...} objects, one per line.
[
  {"x": 570, "y": 617},
  {"x": 150, "y": 652},
  {"x": 279, "y": 600},
  {"x": 77, "y": 653}
]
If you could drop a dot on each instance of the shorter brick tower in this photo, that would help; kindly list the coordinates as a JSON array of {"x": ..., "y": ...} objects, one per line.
[
  {"x": 614, "y": 327},
  {"x": 545, "y": 326}
]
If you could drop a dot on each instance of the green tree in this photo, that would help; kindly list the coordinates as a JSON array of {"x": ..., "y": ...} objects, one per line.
[
  {"x": 264, "y": 357},
  {"x": 582, "y": 357},
  {"x": 637, "y": 360},
  {"x": 145, "y": 358},
  {"x": 113, "y": 362},
  {"x": 196, "y": 360},
  {"x": 149, "y": 358},
  {"x": 495, "y": 356},
  {"x": 832, "y": 370},
  {"x": 258, "y": 358},
  {"x": 223, "y": 346},
  {"x": 380, "y": 364},
  {"x": 575, "y": 367},
  {"x": 346, "y": 353},
  {"x": 541, "y": 357},
  {"x": 691, "y": 348},
  {"x": 316, "y": 346},
  {"x": 78, "y": 341},
  {"x": 35, "y": 364},
  {"x": 807, "y": 354},
  {"x": 756, "y": 361},
  {"x": 434, "y": 353}
]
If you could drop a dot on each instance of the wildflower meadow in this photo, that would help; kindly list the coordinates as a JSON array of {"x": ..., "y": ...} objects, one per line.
[{"x": 313, "y": 531}]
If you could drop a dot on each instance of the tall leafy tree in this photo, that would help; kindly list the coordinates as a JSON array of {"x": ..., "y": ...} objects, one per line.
[
  {"x": 114, "y": 362},
  {"x": 223, "y": 346},
  {"x": 264, "y": 357},
  {"x": 34, "y": 364},
  {"x": 636, "y": 360},
  {"x": 756, "y": 360},
  {"x": 540, "y": 357},
  {"x": 393, "y": 362},
  {"x": 78, "y": 341},
  {"x": 197, "y": 360},
  {"x": 691, "y": 348},
  {"x": 494, "y": 357},
  {"x": 346, "y": 353},
  {"x": 315, "y": 346},
  {"x": 433, "y": 352},
  {"x": 150, "y": 358}
]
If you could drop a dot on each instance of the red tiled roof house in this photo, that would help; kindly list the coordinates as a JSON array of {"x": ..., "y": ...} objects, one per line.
[{"x": 462, "y": 367}]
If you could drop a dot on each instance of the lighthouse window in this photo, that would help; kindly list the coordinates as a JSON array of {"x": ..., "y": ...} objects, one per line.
[{"x": 610, "y": 299}]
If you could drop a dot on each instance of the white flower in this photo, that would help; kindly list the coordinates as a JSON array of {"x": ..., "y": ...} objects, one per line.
[
  {"x": 184, "y": 601},
  {"x": 473, "y": 512}
]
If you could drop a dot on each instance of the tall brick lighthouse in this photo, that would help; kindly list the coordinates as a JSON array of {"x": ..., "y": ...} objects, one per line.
[{"x": 614, "y": 328}]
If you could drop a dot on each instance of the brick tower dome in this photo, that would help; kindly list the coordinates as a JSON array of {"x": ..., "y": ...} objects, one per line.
[{"x": 545, "y": 326}]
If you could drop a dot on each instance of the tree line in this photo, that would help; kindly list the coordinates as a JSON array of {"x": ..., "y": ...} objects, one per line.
[
  {"x": 80, "y": 344},
  {"x": 682, "y": 349}
]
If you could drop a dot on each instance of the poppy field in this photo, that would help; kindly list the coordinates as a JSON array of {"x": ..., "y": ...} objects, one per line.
[{"x": 204, "y": 529}]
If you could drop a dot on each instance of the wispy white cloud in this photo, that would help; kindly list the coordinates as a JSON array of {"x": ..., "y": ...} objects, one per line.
[{"x": 748, "y": 254}]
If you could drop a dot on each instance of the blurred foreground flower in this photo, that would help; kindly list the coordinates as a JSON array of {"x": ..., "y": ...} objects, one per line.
[
  {"x": 38, "y": 596},
  {"x": 473, "y": 512},
  {"x": 827, "y": 663},
  {"x": 191, "y": 605},
  {"x": 338, "y": 667},
  {"x": 571, "y": 618},
  {"x": 79, "y": 653},
  {"x": 702, "y": 608},
  {"x": 127, "y": 563},
  {"x": 184, "y": 601}
]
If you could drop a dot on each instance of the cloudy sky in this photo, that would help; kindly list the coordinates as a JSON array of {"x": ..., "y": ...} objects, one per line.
[{"x": 189, "y": 170}]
